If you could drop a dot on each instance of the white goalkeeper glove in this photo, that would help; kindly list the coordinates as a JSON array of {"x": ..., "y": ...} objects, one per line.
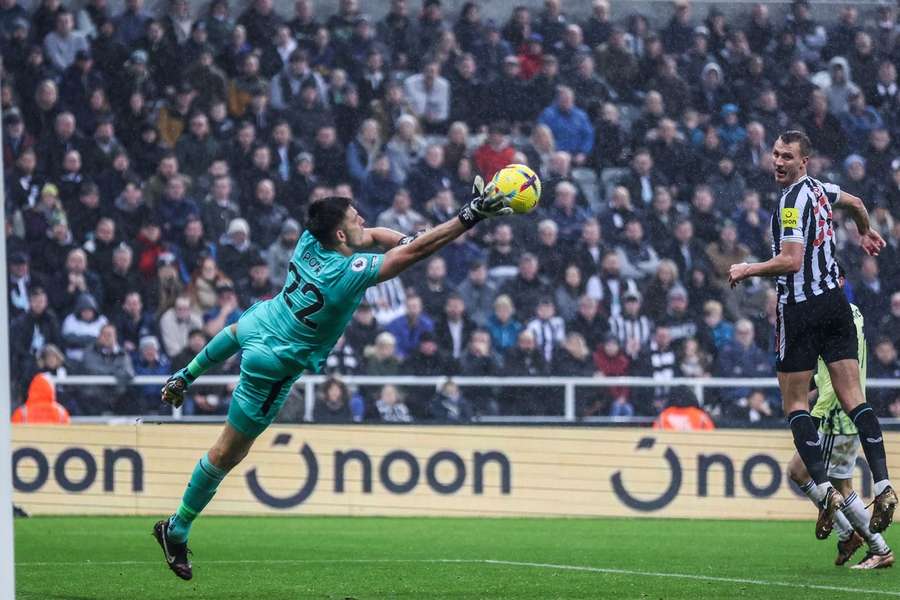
[{"x": 487, "y": 202}]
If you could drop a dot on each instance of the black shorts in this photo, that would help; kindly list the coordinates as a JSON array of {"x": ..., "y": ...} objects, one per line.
[{"x": 821, "y": 326}]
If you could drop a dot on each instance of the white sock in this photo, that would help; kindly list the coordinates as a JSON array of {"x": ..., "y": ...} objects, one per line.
[
  {"x": 843, "y": 526},
  {"x": 881, "y": 485},
  {"x": 818, "y": 491},
  {"x": 856, "y": 513}
]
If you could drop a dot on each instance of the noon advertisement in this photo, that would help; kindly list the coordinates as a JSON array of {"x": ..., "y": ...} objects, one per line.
[{"x": 383, "y": 470}]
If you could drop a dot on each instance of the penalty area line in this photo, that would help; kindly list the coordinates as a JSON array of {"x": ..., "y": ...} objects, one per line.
[{"x": 488, "y": 561}]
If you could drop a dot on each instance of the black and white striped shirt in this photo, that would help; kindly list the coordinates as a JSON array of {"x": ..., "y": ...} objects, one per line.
[{"x": 804, "y": 215}]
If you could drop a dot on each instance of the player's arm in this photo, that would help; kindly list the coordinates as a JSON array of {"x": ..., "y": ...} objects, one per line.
[
  {"x": 870, "y": 240},
  {"x": 787, "y": 262},
  {"x": 402, "y": 257},
  {"x": 486, "y": 204},
  {"x": 381, "y": 236}
]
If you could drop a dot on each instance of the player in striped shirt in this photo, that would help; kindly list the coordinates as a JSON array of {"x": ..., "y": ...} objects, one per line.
[
  {"x": 840, "y": 447},
  {"x": 814, "y": 320}
]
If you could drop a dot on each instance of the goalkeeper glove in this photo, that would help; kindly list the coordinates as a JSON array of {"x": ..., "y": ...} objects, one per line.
[{"x": 488, "y": 202}]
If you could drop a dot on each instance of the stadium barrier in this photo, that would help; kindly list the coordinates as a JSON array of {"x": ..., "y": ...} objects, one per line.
[
  {"x": 569, "y": 385},
  {"x": 414, "y": 470}
]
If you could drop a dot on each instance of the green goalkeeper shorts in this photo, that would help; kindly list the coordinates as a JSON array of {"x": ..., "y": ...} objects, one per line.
[{"x": 264, "y": 383}]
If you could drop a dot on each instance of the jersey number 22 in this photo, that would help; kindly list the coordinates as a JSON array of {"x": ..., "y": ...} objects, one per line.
[{"x": 308, "y": 288}]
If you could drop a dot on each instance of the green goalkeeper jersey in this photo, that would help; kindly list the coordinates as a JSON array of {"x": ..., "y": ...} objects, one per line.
[
  {"x": 832, "y": 418},
  {"x": 323, "y": 288}
]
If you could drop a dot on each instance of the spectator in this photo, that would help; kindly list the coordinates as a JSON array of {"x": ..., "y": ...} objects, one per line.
[
  {"x": 162, "y": 290},
  {"x": 429, "y": 97},
  {"x": 480, "y": 360},
  {"x": 428, "y": 176},
  {"x": 400, "y": 216},
  {"x": 266, "y": 217},
  {"x": 198, "y": 148},
  {"x": 333, "y": 404},
  {"x": 408, "y": 328},
  {"x": 257, "y": 286},
  {"x": 660, "y": 362},
  {"x": 759, "y": 412},
  {"x": 720, "y": 330},
  {"x": 548, "y": 329},
  {"x": 31, "y": 331},
  {"x": 569, "y": 292},
  {"x": 573, "y": 359},
  {"x": 858, "y": 121},
  {"x": 177, "y": 324},
  {"x": 235, "y": 250},
  {"x": 279, "y": 253},
  {"x": 106, "y": 357},
  {"x": 683, "y": 414},
  {"x": 478, "y": 293},
  {"x": 726, "y": 252},
  {"x": 382, "y": 358},
  {"x": 63, "y": 43},
  {"x": 150, "y": 361},
  {"x": 74, "y": 280},
  {"x": 869, "y": 291},
  {"x": 680, "y": 323},
  {"x": 495, "y": 153},
  {"x": 132, "y": 322},
  {"x": 391, "y": 407},
  {"x": 193, "y": 247},
  {"x": 638, "y": 258},
  {"x": 571, "y": 129},
  {"x": 527, "y": 287},
  {"x": 665, "y": 278},
  {"x": 617, "y": 64},
  {"x": 226, "y": 311},
  {"x": 821, "y": 124},
  {"x": 611, "y": 361},
  {"x": 523, "y": 360},
  {"x": 741, "y": 358},
  {"x": 889, "y": 325},
  {"x": 884, "y": 365},
  {"x": 501, "y": 256},
  {"x": 449, "y": 405}
]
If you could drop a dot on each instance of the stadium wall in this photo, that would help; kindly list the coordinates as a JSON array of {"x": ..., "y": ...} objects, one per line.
[{"x": 429, "y": 471}]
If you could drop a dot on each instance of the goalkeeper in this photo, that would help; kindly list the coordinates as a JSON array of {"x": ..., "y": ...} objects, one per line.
[
  {"x": 294, "y": 332},
  {"x": 840, "y": 445}
]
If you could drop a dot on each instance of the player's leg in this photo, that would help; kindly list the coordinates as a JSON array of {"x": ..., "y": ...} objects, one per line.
[
  {"x": 262, "y": 389},
  {"x": 840, "y": 351},
  {"x": 794, "y": 389},
  {"x": 219, "y": 349},
  {"x": 846, "y": 541},
  {"x": 845, "y": 379},
  {"x": 172, "y": 533},
  {"x": 842, "y": 452}
]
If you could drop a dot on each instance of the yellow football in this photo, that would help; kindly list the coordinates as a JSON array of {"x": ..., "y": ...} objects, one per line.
[{"x": 521, "y": 185}]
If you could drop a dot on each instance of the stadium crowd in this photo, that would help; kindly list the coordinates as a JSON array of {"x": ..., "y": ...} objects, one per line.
[{"x": 157, "y": 169}]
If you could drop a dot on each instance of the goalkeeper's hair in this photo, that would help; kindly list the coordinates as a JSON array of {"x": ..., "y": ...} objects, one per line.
[{"x": 324, "y": 216}]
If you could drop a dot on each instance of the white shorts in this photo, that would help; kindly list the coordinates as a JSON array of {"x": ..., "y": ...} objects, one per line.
[{"x": 839, "y": 453}]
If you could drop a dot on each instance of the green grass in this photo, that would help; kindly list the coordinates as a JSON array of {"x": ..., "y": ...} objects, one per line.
[{"x": 81, "y": 558}]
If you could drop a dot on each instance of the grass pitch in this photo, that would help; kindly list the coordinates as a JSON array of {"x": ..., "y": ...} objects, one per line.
[{"x": 88, "y": 558}]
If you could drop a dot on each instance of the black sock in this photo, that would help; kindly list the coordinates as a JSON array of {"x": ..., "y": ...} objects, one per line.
[
  {"x": 806, "y": 440},
  {"x": 872, "y": 441}
]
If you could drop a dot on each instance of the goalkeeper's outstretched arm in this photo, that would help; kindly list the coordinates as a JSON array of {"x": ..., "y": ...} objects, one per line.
[{"x": 487, "y": 203}]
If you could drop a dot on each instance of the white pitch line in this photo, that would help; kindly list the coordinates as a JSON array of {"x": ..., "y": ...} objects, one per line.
[{"x": 476, "y": 561}]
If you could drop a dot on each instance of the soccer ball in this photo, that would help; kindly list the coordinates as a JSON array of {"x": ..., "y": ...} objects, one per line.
[{"x": 521, "y": 185}]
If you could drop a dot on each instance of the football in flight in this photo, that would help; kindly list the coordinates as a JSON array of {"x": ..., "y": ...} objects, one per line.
[{"x": 521, "y": 185}]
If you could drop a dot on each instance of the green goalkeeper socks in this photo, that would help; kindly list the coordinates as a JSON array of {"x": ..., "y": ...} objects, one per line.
[
  {"x": 200, "y": 490},
  {"x": 219, "y": 349}
]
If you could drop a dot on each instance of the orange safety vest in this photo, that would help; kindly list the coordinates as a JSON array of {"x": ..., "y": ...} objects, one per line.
[
  {"x": 683, "y": 418},
  {"x": 41, "y": 406}
]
